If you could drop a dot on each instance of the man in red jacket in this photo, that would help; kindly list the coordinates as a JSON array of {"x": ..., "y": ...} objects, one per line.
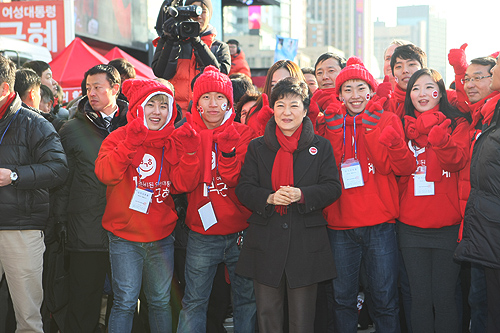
[
  {"x": 238, "y": 61},
  {"x": 215, "y": 217}
]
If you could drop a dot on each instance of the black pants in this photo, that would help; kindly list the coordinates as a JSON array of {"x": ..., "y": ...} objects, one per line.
[
  {"x": 433, "y": 280},
  {"x": 87, "y": 272},
  {"x": 493, "y": 289},
  {"x": 301, "y": 307}
]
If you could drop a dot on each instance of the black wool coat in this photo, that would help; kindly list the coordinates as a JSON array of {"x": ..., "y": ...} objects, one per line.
[{"x": 296, "y": 243}]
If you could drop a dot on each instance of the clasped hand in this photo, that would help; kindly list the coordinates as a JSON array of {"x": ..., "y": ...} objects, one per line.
[{"x": 285, "y": 196}]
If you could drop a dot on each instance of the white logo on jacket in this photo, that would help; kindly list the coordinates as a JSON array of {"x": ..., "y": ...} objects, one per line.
[{"x": 147, "y": 166}]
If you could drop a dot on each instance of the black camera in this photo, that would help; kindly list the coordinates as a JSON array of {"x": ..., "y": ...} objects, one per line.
[{"x": 184, "y": 26}]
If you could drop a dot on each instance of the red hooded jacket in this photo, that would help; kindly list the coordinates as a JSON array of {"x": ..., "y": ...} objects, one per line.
[
  {"x": 221, "y": 174},
  {"x": 123, "y": 168},
  {"x": 377, "y": 201}
]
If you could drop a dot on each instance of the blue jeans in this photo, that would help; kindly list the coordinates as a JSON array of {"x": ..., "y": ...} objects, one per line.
[
  {"x": 377, "y": 246},
  {"x": 134, "y": 263},
  {"x": 478, "y": 299},
  {"x": 204, "y": 253}
]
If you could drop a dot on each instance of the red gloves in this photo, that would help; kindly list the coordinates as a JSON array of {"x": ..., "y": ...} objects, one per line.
[
  {"x": 373, "y": 113},
  {"x": 334, "y": 116},
  {"x": 323, "y": 98},
  {"x": 188, "y": 137},
  {"x": 384, "y": 89},
  {"x": 265, "y": 113},
  {"x": 411, "y": 128},
  {"x": 136, "y": 131},
  {"x": 428, "y": 120},
  {"x": 228, "y": 139},
  {"x": 439, "y": 136},
  {"x": 458, "y": 60},
  {"x": 390, "y": 137}
]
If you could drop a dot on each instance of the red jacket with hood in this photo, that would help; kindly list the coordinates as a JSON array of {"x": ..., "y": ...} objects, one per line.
[
  {"x": 377, "y": 201},
  {"x": 443, "y": 166},
  {"x": 123, "y": 168},
  {"x": 221, "y": 174}
]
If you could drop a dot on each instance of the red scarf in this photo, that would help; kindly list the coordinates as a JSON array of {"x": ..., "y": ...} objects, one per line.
[
  {"x": 282, "y": 174},
  {"x": 417, "y": 131},
  {"x": 8, "y": 102},
  {"x": 489, "y": 108},
  {"x": 208, "y": 138},
  {"x": 398, "y": 101}
]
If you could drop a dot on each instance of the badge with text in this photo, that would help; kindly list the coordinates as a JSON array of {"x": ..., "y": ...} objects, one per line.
[
  {"x": 207, "y": 215},
  {"x": 141, "y": 200},
  {"x": 351, "y": 173},
  {"x": 422, "y": 186}
]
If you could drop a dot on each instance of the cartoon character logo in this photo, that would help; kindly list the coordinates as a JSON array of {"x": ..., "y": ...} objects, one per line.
[{"x": 147, "y": 166}]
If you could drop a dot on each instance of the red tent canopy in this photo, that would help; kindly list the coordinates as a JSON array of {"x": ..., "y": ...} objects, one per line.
[
  {"x": 143, "y": 71},
  {"x": 69, "y": 67}
]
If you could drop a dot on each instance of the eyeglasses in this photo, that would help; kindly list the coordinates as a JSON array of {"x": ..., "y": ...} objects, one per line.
[{"x": 472, "y": 79}]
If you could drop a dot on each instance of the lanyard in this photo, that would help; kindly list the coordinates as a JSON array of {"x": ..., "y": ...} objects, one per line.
[
  {"x": 415, "y": 150},
  {"x": 10, "y": 122},
  {"x": 161, "y": 166},
  {"x": 355, "y": 143}
]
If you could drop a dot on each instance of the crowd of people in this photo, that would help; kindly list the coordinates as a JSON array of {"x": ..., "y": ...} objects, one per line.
[{"x": 202, "y": 197}]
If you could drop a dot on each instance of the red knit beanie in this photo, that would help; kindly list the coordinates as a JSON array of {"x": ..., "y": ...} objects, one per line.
[
  {"x": 212, "y": 81},
  {"x": 139, "y": 91},
  {"x": 354, "y": 70}
]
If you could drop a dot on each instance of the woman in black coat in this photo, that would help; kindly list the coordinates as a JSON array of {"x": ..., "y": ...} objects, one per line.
[{"x": 288, "y": 177}]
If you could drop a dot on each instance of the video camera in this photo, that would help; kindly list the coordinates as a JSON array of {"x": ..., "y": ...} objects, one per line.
[{"x": 184, "y": 26}]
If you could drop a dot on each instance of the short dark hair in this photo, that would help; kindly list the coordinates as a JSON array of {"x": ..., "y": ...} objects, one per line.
[
  {"x": 308, "y": 70},
  {"x": 290, "y": 86},
  {"x": 7, "y": 72},
  {"x": 124, "y": 67},
  {"x": 248, "y": 97},
  {"x": 37, "y": 65},
  {"x": 407, "y": 52},
  {"x": 484, "y": 61},
  {"x": 112, "y": 74},
  {"x": 233, "y": 41},
  {"x": 327, "y": 55},
  {"x": 242, "y": 84},
  {"x": 46, "y": 93},
  {"x": 26, "y": 80}
]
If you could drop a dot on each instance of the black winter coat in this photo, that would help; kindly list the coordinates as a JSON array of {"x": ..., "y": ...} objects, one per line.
[
  {"x": 481, "y": 235},
  {"x": 295, "y": 243},
  {"x": 32, "y": 148},
  {"x": 80, "y": 203}
]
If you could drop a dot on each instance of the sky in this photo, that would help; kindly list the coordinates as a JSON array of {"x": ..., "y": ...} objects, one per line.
[{"x": 472, "y": 22}]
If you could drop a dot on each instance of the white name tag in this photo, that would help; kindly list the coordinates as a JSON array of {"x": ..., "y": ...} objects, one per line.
[
  {"x": 141, "y": 200},
  {"x": 422, "y": 186},
  {"x": 351, "y": 173},
  {"x": 207, "y": 215}
]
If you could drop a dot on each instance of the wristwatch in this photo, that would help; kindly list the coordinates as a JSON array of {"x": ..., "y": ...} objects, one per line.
[{"x": 13, "y": 176}]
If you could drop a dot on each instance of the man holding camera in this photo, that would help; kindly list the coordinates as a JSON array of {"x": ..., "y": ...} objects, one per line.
[{"x": 174, "y": 58}]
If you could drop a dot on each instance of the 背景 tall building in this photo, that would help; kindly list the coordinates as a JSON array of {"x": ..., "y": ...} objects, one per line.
[
  {"x": 420, "y": 25},
  {"x": 343, "y": 24}
]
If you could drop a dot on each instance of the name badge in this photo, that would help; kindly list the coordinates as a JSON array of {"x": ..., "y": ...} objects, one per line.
[
  {"x": 141, "y": 200},
  {"x": 207, "y": 215},
  {"x": 422, "y": 186},
  {"x": 351, "y": 173}
]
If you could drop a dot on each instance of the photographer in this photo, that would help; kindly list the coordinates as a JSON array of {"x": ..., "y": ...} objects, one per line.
[{"x": 174, "y": 58}]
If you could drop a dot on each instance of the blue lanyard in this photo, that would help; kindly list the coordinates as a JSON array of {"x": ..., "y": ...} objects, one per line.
[
  {"x": 10, "y": 122},
  {"x": 355, "y": 143}
]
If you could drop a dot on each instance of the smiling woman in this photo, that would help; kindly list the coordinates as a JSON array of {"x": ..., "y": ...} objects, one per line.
[{"x": 288, "y": 177}]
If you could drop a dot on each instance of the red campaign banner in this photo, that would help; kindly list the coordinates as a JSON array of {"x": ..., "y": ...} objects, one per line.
[{"x": 37, "y": 22}]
